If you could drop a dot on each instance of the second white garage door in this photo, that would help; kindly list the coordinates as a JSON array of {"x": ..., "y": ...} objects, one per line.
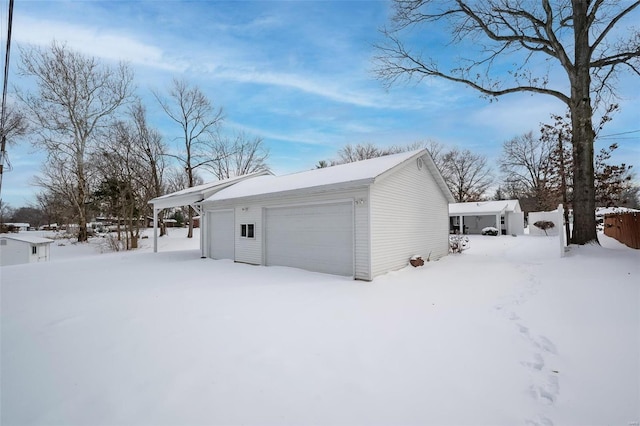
[
  {"x": 221, "y": 234},
  {"x": 316, "y": 237}
]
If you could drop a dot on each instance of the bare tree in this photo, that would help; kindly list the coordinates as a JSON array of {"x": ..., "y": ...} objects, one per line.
[
  {"x": 238, "y": 156},
  {"x": 75, "y": 101},
  {"x": 613, "y": 181},
  {"x": 467, "y": 175},
  {"x": 351, "y": 153},
  {"x": 199, "y": 120},
  {"x": 14, "y": 125},
  {"x": 51, "y": 206},
  {"x": 5, "y": 213},
  {"x": 526, "y": 164},
  {"x": 151, "y": 151},
  {"x": 584, "y": 39},
  {"x": 131, "y": 173}
]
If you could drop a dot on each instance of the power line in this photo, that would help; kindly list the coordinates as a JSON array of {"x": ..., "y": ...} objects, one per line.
[
  {"x": 619, "y": 134},
  {"x": 3, "y": 114}
]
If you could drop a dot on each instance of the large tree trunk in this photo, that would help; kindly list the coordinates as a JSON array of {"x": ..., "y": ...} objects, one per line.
[
  {"x": 189, "y": 209},
  {"x": 584, "y": 219},
  {"x": 83, "y": 236}
]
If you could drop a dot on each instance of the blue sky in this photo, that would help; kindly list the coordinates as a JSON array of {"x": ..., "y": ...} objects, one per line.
[{"x": 297, "y": 73}]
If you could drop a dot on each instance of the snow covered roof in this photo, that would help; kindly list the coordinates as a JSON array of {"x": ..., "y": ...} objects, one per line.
[
  {"x": 344, "y": 175},
  {"x": 484, "y": 207},
  {"x": 27, "y": 239},
  {"x": 198, "y": 193},
  {"x": 601, "y": 211}
]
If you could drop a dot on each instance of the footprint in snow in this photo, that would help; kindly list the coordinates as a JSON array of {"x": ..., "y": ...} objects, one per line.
[
  {"x": 537, "y": 364},
  {"x": 523, "y": 330},
  {"x": 547, "y": 345},
  {"x": 541, "y": 421},
  {"x": 547, "y": 392}
]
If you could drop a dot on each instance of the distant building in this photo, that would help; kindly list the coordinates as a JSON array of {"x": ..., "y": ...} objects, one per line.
[
  {"x": 17, "y": 227},
  {"x": 18, "y": 249},
  {"x": 473, "y": 217}
]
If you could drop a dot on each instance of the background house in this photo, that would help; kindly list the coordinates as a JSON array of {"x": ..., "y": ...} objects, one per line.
[
  {"x": 504, "y": 215},
  {"x": 359, "y": 219},
  {"x": 17, "y": 249},
  {"x": 15, "y": 227}
]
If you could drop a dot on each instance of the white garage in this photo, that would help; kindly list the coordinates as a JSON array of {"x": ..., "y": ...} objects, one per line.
[
  {"x": 193, "y": 197},
  {"x": 220, "y": 226},
  {"x": 360, "y": 219},
  {"x": 315, "y": 237}
]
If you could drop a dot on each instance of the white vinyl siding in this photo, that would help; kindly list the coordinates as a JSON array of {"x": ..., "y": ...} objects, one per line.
[
  {"x": 362, "y": 252},
  {"x": 409, "y": 216},
  {"x": 317, "y": 237},
  {"x": 249, "y": 250},
  {"x": 13, "y": 252},
  {"x": 220, "y": 225},
  {"x": 250, "y": 211}
]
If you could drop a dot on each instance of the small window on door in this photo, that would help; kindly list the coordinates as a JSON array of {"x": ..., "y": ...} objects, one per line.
[
  {"x": 247, "y": 230},
  {"x": 34, "y": 249}
]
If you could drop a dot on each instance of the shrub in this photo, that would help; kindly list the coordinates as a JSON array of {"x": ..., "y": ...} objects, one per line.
[
  {"x": 457, "y": 243},
  {"x": 490, "y": 230},
  {"x": 544, "y": 225}
]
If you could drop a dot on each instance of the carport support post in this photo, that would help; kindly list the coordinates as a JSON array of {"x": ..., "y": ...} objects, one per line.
[
  {"x": 203, "y": 233},
  {"x": 498, "y": 224},
  {"x": 460, "y": 225},
  {"x": 155, "y": 229}
]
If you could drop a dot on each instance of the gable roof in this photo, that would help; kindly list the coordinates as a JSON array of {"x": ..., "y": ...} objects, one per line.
[
  {"x": 198, "y": 193},
  {"x": 484, "y": 207},
  {"x": 27, "y": 239},
  {"x": 348, "y": 175}
]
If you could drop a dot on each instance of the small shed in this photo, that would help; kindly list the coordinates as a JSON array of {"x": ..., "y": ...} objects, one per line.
[
  {"x": 18, "y": 249},
  {"x": 472, "y": 217},
  {"x": 359, "y": 219}
]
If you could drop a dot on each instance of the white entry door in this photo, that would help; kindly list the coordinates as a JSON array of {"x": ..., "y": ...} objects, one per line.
[
  {"x": 221, "y": 234},
  {"x": 315, "y": 237}
]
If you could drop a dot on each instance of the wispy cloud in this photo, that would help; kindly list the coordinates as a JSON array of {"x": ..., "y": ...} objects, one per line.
[
  {"x": 90, "y": 41},
  {"x": 332, "y": 91}
]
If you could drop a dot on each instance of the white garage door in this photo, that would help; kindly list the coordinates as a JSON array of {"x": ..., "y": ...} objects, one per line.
[
  {"x": 317, "y": 238},
  {"x": 221, "y": 234}
]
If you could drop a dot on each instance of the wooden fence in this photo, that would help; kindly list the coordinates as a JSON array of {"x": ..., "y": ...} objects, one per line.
[{"x": 624, "y": 227}]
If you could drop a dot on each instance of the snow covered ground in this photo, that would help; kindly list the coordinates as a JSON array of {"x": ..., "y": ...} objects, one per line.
[{"x": 506, "y": 333}]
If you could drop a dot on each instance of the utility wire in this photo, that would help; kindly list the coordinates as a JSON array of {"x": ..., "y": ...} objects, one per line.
[
  {"x": 619, "y": 134},
  {"x": 3, "y": 114}
]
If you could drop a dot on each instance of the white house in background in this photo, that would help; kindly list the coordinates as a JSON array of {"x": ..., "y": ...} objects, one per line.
[
  {"x": 505, "y": 215},
  {"x": 17, "y": 227},
  {"x": 359, "y": 219},
  {"x": 17, "y": 249}
]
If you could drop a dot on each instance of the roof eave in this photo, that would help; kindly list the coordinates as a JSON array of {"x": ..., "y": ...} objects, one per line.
[{"x": 354, "y": 184}]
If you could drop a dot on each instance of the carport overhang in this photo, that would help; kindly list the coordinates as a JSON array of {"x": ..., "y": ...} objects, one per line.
[{"x": 193, "y": 197}]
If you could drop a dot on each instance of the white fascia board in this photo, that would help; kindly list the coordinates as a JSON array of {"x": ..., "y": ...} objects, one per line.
[
  {"x": 177, "y": 201},
  {"x": 197, "y": 195},
  {"x": 322, "y": 189}
]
